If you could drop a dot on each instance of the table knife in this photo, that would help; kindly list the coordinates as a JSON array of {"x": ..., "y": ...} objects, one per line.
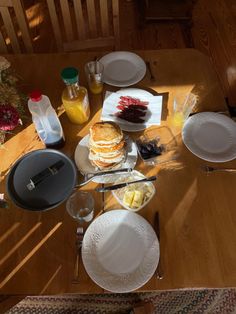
[
  {"x": 159, "y": 271},
  {"x": 122, "y": 185}
]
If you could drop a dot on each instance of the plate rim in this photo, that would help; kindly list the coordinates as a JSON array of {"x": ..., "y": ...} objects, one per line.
[
  {"x": 190, "y": 147},
  {"x": 114, "y": 83},
  {"x": 117, "y": 212}
]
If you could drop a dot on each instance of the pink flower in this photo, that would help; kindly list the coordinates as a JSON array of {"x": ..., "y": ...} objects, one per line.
[{"x": 9, "y": 117}]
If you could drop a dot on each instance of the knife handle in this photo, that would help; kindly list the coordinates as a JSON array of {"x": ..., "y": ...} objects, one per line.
[
  {"x": 108, "y": 172},
  {"x": 159, "y": 271}
]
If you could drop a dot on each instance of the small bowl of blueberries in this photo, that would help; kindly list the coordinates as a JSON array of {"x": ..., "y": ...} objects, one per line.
[{"x": 156, "y": 145}]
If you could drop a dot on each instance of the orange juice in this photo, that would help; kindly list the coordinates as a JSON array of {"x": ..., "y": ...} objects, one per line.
[
  {"x": 94, "y": 72},
  {"x": 95, "y": 87},
  {"x": 77, "y": 109},
  {"x": 75, "y": 97}
]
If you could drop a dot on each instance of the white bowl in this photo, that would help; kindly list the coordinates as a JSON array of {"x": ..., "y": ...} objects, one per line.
[{"x": 147, "y": 187}]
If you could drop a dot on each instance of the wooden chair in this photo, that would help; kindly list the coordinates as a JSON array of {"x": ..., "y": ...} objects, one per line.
[
  {"x": 14, "y": 32},
  {"x": 84, "y": 24}
]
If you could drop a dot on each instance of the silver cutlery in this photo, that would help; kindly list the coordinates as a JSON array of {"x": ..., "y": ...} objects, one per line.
[
  {"x": 122, "y": 185},
  {"x": 152, "y": 77},
  {"x": 159, "y": 271},
  {"x": 209, "y": 169},
  {"x": 79, "y": 242},
  {"x": 90, "y": 176}
]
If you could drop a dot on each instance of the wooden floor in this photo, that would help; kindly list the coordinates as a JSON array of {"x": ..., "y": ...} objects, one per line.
[{"x": 213, "y": 32}]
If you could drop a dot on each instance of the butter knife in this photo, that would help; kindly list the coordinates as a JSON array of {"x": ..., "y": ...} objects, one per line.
[
  {"x": 122, "y": 185},
  {"x": 159, "y": 271},
  {"x": 90, "y": 176}
]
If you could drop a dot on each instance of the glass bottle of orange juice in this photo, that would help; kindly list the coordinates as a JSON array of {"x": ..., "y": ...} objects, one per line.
[{"x": 75, "y": 97}]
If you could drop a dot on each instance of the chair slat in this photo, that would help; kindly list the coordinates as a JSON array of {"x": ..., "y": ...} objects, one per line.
[
  {"x": 104, "y": 17},
  {"x": 23, "y": 25},
  {"x": 79, "y": 19},
  {"x": 3, "y": 48},
  {"x": 6, "y": 3},
  {"x": 116, "y": 23},
  {"x": 92, "y": 18},
  {"x": 55, "y": 24},
  {"x": 10, "y": 29},
  {"x": 67, "y": 20}
]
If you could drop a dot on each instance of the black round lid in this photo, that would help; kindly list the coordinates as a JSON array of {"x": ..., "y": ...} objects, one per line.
[{"x": 49, "y": 192}]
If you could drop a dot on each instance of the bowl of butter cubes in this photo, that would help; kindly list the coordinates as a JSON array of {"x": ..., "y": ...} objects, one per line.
[{"x": 134, "y": 196}]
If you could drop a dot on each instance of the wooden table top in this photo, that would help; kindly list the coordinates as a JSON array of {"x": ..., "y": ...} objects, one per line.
[{"x": 197, "y": 212}]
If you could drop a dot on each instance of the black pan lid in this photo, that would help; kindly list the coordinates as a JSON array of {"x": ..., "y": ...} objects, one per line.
[{"x": 52, "y": 191}]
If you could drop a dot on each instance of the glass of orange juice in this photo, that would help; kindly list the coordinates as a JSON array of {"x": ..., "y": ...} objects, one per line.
[
  {"x": 182, "y": 109},
  {"x": 94, "y": 72}
]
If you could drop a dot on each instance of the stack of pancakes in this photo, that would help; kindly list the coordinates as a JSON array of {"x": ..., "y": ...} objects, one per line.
[{"x": 106, "y": 145}]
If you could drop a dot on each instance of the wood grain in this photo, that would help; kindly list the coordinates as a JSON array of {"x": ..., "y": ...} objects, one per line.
[
  {"x": 214, "y": 32},
  {"x": 197, "y": 212}
]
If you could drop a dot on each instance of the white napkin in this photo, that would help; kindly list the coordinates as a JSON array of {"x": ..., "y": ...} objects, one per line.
[{"x": 153, "y": 115}]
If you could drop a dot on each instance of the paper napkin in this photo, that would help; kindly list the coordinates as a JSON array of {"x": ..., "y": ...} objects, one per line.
[{"x": 152, "y": 117}]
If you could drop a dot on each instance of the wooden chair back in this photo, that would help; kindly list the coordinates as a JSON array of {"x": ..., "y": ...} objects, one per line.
[
  {"x": 14, "y": 32},
  {"x": 83, "y": 24}
]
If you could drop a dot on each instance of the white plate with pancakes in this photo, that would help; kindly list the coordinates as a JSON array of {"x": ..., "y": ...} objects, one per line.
[{"x": 85, "y": 166}]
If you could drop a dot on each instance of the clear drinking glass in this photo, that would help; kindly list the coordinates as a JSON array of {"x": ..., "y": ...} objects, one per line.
[
  {"x": 94, "y": 72},
  {"x": 80, "y": 206},
  {"x": 182, "y": 109}
]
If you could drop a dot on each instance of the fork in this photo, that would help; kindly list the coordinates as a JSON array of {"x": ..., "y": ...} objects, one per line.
[
  {"x": 210, "y": 169},
  {"x": 79, "y": 242}
]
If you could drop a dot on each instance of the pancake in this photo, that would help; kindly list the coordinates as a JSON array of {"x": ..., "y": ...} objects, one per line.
[
  {"x": 106, "y": 145},
  {"x": 106, "y": 148},
  {"x": 110, "y": 154},
  {"x": 103, "y": 165},
  {"x": 107, "y": 159},
  {"x": 105, "y": 133}
]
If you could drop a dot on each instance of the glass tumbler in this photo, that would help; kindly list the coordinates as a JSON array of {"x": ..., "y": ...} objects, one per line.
[
  {"x": 182, "y": 109},
  {"x": 80, "y": 206},
  {"x": 94, "y": 72}
]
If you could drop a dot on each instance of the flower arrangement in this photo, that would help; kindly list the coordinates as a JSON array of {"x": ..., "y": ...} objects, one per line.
[{"x": 11, "y": 101}]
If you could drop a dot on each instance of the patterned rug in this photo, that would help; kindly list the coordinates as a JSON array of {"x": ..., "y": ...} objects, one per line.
[{"x": 222, "y": 301}]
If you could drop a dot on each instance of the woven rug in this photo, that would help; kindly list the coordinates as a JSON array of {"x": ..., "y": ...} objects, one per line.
[{"x": 222, "y": 301}]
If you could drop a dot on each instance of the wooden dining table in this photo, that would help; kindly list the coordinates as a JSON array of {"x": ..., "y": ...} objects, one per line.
[{"x": 197, "y": 211}]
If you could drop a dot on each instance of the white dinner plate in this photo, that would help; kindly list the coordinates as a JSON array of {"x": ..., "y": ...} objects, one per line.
[
  {"x": 210, "y": 136},
  {"x": 85, "y": 166},
  {"x": 122, "y": 68},
  {"x": 120, "y": 251},
  {"x": 136, "y": 93}
]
